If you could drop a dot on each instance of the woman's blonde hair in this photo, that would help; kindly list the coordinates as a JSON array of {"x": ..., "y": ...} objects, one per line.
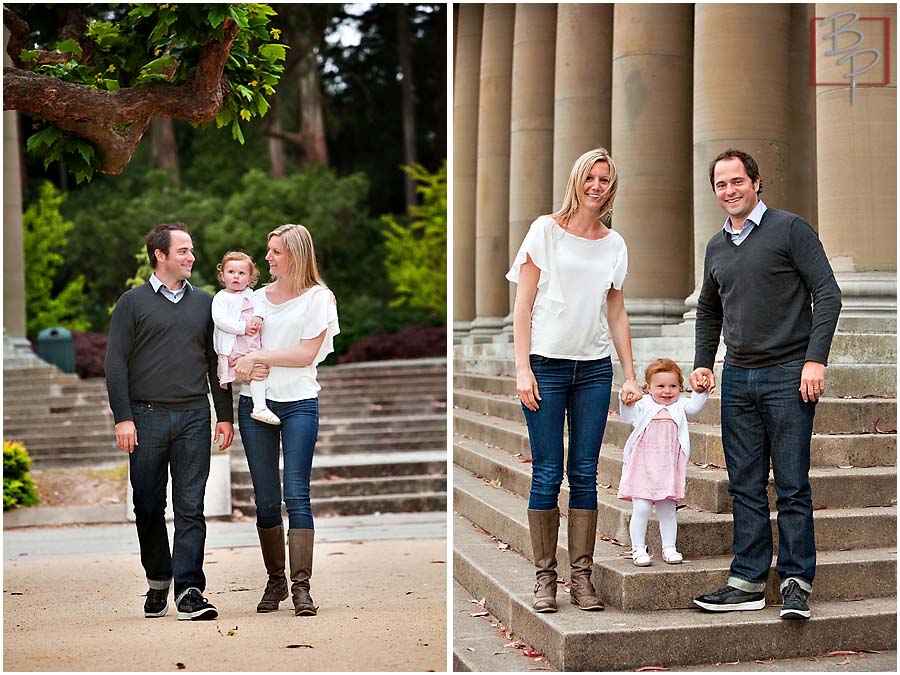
[
  {"x": 298, "y": 246},
  {"x": 243, "y": 257},
  {"x": 579, "y": 174}
]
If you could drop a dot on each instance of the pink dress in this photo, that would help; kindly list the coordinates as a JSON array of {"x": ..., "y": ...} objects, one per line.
[
  {"x": 243, "y": 345},
  {"x": 657, "y": 467}
]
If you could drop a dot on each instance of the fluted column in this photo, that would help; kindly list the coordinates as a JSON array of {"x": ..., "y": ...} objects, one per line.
[
  {"x": 856, "y": 143},
  {"x": 582, "y": 87},
  {"x": 651, "y": 145},
  {"x": 465, "y": 144},
  {"x": 531, "y": 124},
  {"x": 13, "y": 251},
  {"x": 492, "y": 189},
  {"x": 741, "y": 100}
]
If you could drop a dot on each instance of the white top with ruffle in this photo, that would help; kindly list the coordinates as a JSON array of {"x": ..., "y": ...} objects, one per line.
[
  {"x": 287, "y": 325},
  {"x": 568, "y": 320}
]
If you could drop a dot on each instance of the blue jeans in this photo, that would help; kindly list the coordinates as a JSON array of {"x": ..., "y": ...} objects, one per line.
[
  {"x": 179, "y": 440},
  {"x": 579, "y": 391},
  {"x": 297, "y": 435},
  {"x": 763, "y": 418}
]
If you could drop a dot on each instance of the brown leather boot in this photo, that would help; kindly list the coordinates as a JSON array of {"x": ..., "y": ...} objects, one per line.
[
  {"x": 300, "y": 545},
  {"x": 271, "y": 541},
  {"x": 544, "y": 529},
  {"x": 582, "y": 537}
]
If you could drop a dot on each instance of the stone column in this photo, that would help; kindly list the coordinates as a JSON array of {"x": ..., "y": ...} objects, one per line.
[
  {"x": 492, "y": 189},
  {"x": 741, "y": 100},
  {"x": 531, "y": 126},
  {"x": 467, "y": 65},
  {"x": 651, "y": 145},
  {"x": 856, "y": 143},
  {"x": 13, "y": 251},
  {"x": 582, "y": 89},
  {"x": 801, "y": 169}
]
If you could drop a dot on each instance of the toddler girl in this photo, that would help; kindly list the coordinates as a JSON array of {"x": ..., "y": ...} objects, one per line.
[
  {"x": 238, "y": 325},
  {"x": 656, "y": 455}
]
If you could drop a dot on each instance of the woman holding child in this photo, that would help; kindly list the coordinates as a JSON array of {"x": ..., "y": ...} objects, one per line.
[
  {"x": 569, "y": 305},
  {"x": 297, "y": 334}
]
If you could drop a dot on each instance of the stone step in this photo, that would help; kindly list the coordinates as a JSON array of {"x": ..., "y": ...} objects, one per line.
[
  {"x": 619, "y": 640},
  {"x": 706, "y": 441},
  {"x": 855, "y": 380},
  {"x": 386, "y": 423},
  {"x": 707, "y": 486},
  {"x": 363, "y": 465},
  {"x": 701, "y": 533},
  {"x": 840, "y": 574},
  {"x": 833, "y": 415},
  {"x": 67, "y": 459},
  {"x": 357, "y": 487},
  {"x": 348, "y": 506}
]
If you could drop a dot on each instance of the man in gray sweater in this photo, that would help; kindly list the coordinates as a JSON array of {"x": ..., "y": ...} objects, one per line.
[
  {"x": 160, "y": 369},
  {"x": 769, "y": 290}
]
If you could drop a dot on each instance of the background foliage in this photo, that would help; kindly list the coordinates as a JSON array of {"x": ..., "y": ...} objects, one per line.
[
  {"x": 18, "y": 486},
  {"x": 232, "y": 195}
]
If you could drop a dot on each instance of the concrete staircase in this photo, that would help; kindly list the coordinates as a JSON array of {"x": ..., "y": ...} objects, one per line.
[
  {"x": 382, "y": 441},
  {"x": 648, "y": 618}
]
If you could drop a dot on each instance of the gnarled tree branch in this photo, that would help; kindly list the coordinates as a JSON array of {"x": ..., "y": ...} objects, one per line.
[{"x": 115, "y": 121}]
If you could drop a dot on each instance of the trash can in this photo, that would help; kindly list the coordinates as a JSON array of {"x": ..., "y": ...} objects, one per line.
[{"x": 55, "y": 346}]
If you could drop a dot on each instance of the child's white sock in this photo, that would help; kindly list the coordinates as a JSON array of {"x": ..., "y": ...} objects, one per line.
[
  {"x": 258, "y": 394},
  {"x": 640, "y": 516},
  {"x": 668, "y": 523}
]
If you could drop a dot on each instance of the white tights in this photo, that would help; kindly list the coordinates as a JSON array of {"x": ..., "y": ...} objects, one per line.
[{"x": 640, "y": 517}]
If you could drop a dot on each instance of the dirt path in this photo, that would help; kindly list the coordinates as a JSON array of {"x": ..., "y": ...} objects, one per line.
[{"x": 382, "y": 608}]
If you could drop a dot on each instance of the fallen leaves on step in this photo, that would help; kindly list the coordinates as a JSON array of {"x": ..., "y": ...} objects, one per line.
[
  {"x": 707, "y": 465},
  {"x": 841, "y": 652},
  {"x": 644, "y": 669},
  {"x": 845, "y": 466},
  {"x": 298, "y": 647},
  {"x": 845, "y": 662},
  {"x": 180, "y": 666},
  {"x": 611, "y": 540},
  {"x": 606, "y": 486},
  {"x": 530, "y": 653},
  {"x": 879, "y": 430},
  {"x": 526, "y": 460},
  {"x": 479, "y": 608},
  {"x": 857, "y": 599},
  {"x": 767, "y": 662}
]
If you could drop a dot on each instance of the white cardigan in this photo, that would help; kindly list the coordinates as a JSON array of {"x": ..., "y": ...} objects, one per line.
[
  {"x": 226, "y": 314},
  {"x": 643, "y": 411}
]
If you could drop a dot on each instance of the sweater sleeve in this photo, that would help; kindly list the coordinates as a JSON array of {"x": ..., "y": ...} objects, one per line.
[
  {"x": 221, "y": 318},
  {"x": 695, "y": 404},
  {"x": 222, "y": 396},
  {"x": 708, "y": 326},
  {"x": 118, "y": 351},
  {"x": 812, "y": 264}
]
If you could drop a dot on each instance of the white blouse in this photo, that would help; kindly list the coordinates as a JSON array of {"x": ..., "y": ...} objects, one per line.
[
  {"x": 287, "y": 325},
  {"x": 568, "y": 320}
]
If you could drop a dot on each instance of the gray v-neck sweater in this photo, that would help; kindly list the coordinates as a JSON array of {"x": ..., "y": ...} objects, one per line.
[{"x": 774, "y": 298}]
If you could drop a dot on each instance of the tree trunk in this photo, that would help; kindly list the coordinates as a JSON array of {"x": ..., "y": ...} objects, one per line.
[
  {"x": 165, "y": 149},
  {"x": 407, "y": 91},
  {"x": 312, "y": 117},
  {"x": 275, "y": 142}
]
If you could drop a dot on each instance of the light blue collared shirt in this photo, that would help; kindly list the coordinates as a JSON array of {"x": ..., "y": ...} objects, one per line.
[
  {"x": 752, "y": 220},
  {"x": 173, "y": 296}
]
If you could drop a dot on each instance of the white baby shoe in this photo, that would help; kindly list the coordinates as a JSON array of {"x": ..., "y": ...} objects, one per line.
[
  {"x": 671, "y": 556},
  {"x": 265, "y": 415},
  {"x": 640, "y": 556}
]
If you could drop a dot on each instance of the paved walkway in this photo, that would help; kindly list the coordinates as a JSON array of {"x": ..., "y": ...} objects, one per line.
[{"x": 73, "y": 598}]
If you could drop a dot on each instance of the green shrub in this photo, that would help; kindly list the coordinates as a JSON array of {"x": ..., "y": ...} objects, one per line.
[{"x": 18, "y": 487}]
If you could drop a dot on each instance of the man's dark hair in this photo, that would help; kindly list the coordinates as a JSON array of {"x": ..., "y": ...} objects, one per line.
[
  {"x": 159, "y": 238},
  {"x": 748, "y": 162}
]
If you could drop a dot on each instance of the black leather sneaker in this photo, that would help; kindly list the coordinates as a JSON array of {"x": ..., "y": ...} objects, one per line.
[
  {"x": 192, "y": 606},
  {"x": 157, "y": 603},
  {"x": 795, "y": 606},
  {"x": 731, "y": 599}
]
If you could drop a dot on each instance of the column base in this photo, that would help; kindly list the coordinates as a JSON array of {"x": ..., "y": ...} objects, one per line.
[
  {"x": 869, "y": 302},
  {"x": 649, "y": 316},
  {"x": 460, "y": 330},
  {"x": 505, "y": 337},
  {"x": 483, "y": 330}
]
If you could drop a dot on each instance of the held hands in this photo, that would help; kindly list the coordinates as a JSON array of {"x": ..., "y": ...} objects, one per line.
[
  {"x": 702, "y": 379},
  {"x": 527, "y": 388},
  {"x": 253, "y": 326},
  {"x": 630, "y": 393},
  {"x": 812, "y": 381},
  {"x": 126, "y": 436}
]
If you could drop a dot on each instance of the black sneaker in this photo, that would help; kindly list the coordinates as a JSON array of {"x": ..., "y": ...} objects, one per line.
[
  {"x": 731, "y": 599},
  {"x": 794, "y": 606},
  {"x": 192, "y": 606},
  {"x": 157, "y": 603}
]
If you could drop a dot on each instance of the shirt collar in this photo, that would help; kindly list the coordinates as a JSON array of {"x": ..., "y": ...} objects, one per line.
[
  {"x": 754, "y": 217},
  {"x": 156, "y": 283}
]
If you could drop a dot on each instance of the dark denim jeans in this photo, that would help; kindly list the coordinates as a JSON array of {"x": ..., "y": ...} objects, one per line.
[
  {"x": 579, "y": 391},
  {"x": 179, "y": 440},
  {"x": 297, "y": 435},
  {"x": 763, "y": 418}
]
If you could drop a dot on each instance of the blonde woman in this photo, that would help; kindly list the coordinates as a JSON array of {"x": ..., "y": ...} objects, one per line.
[
  {"x": 301, "y": 322},
  {"x": 569, "y": 303}
]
